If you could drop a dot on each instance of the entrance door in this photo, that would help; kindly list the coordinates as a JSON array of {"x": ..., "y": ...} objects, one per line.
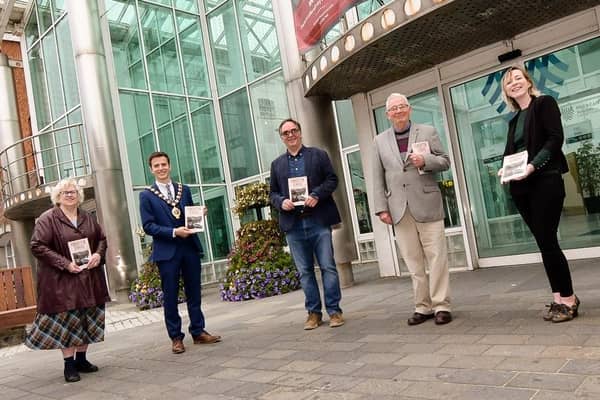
[{"x": 572, "y": 76}]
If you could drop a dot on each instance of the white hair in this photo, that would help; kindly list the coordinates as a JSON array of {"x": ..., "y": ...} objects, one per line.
[
  {"x": 395, "y": 96},
  {"x": 60, "y": 186}
]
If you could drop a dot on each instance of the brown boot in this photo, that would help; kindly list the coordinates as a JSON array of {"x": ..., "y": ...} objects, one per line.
[{"x": 313, "y": 321}]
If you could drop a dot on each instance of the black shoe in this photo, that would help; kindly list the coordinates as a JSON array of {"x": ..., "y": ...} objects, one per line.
[
  {"x": 86, "y": 367},
  {"x": 71, "y": 374},
  {"x": 442, "y": 317},
  {"x": 418, "y": 318}
]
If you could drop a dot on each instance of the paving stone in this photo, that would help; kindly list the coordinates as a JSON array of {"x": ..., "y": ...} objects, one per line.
[
  {"x": 591, "y": 385},
  {"x": 336, "y": 396},
  {"x": 376, "y": 387},
  {"x": 379, "y": 358},
  {"x": 563, "y": 382},
  {"x": 476, "y": 362},
  {"x": 301, "y": 366},
  {"x": 458, "y": 339},
  {"x": 514, "y": 350},
  {"x": 552, "y": 395},
  {"x": 531, "y": 364},
  {"x": 463, "y": 349},
  {"x": 572, "y": 352},
  {"x": 287, "y": 393},
  {"x": 231, "y": 373},
  {"x": 581, "y": 367},
  {"x": 423, "y": 360},
  {"x": 504, "y": 339},
  {"x": 262, "y": 376},
  {"x": 456, "y": 375},
  {"x": 250, "y": 390}
]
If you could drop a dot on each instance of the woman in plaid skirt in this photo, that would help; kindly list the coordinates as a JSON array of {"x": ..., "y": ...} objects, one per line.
[{"x": 70, "y": 247}]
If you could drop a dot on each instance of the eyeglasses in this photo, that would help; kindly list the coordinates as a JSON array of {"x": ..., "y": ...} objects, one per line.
[
  {"x": 69, "y": 193},
  {"x": 289, "y": 133},
  {"x": 399, "y": 107}
]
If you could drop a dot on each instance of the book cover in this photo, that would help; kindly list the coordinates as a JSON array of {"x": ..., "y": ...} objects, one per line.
[
  {"x": 298, "y": 187},
  {"x": 421, "y": 148},
  {"x": 194, "y": 218},
  {"x": 80, "y": 252},
  {"x": 514, "y": 166}
]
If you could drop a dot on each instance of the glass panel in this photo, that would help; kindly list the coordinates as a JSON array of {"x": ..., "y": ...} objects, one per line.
[
  {"x": 368, "y": 7},
  {"x": 31, "y": 29},
  {"x": 427, "y": 109},
  {"x": 259, "y": 37},
  {"x": 187, "y": 5},
  {"x": 39, "y": 89},
  {"x": 125, "y": 40},
  {"x": 210, "y": 4},
  {"x": 57, "y": 103},
  {"x": 174, "y": 136},
  {"x": 197, "y": 200},
  {"x": 237, "y": 124},
  {"x": 49, "y": 170},
  {"x": 137, "y": 123},
  {"x": 67, "y": 64},
  {"x": 159, "y": 43},
  {"x": 207, "y": 144},
  {"x": 571, "y": 76},
  {"x": 44, "y": 14},
  {"x": 78, "y": 143},
  {"x": 346, "y": 123},
  {"x": 185, "y": 148},
  {"x": 218, "y": 221},
  {"x": 59, "y": 8},
  {"x": 225, "y": 48},
  {"x": 269, "y": 104},
  {"x": 192, "y": 52},
  {"x": 359, "y": 193}
]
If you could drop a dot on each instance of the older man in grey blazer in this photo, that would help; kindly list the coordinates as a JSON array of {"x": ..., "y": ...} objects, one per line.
[{"x": 407, "y": 157}]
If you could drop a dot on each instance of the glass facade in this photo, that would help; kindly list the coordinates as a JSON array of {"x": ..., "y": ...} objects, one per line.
[
  {"x": 203, "y": 81},
  {"x": 205, "y": 99}
]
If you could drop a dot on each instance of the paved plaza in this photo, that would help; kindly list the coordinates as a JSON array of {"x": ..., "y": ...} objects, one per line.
[{"x": 498, "y": 347}]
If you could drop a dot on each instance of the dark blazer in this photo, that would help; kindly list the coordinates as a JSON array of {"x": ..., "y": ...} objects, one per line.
[
  {"x": 58, "y": 289},
  {"x": 159, "y": 223},
  {"x": 322, "y": 181},
  {"x": 543, "y": 129}
]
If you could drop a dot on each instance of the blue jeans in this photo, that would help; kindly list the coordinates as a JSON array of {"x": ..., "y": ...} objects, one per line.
[{"x": 308, "y": 239}]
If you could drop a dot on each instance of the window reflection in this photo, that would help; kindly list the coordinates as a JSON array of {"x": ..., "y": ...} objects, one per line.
[{"x": 359, "y": 193}]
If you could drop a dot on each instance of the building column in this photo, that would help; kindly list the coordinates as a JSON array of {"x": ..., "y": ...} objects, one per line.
[
  {"x": 101, "y": 133},
  {"x": 383, "y": 234},
  {"x": 10, "y": 133},
  {"x": 318, "y": 129}
]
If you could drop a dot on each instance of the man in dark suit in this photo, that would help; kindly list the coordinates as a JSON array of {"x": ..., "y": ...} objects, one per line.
[
  {"x": 308, "y": 226},
  {"x": 176, "y": 250}
]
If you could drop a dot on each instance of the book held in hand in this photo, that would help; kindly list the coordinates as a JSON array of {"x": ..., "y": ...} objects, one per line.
[
  {"x": 194, "y": 218},
  {"x": 80, "y": 252},
  {"x": 514, "y": 166},
  {"x": 298, "y": 187},
  {"x": 421, "y": 148}
]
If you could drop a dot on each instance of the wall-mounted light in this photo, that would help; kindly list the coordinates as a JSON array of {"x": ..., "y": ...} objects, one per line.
[
  {"x": 335, "y": 54},
  {"x": 388, "y": 19},
  {"x": 349, "y": 43},
  {"x": 367, "y": 31},
  {"x": 411, "y": 7},
  {"x": 323, "y": 63}
]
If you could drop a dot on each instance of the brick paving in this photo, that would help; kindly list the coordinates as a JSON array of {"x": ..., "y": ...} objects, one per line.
[{"x": 498, "y": 347}]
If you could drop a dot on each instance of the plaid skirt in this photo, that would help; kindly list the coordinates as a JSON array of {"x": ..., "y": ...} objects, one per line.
[{"x": 67, "y": 329}]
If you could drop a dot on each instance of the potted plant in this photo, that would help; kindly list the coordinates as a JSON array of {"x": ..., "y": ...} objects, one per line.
[
  {"x": 588, "y": 175},
  {"x": 258, "y": 265}
]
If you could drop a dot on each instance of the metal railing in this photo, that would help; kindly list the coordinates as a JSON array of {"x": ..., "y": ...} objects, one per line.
[{"x": 44, "y": 159}]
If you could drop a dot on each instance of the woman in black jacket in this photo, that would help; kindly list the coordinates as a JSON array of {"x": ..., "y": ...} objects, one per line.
[{"x": 539, "y": 195}]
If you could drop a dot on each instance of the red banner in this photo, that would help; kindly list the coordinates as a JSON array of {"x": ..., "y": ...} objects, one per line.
[{"x": 314, "y": 18}]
